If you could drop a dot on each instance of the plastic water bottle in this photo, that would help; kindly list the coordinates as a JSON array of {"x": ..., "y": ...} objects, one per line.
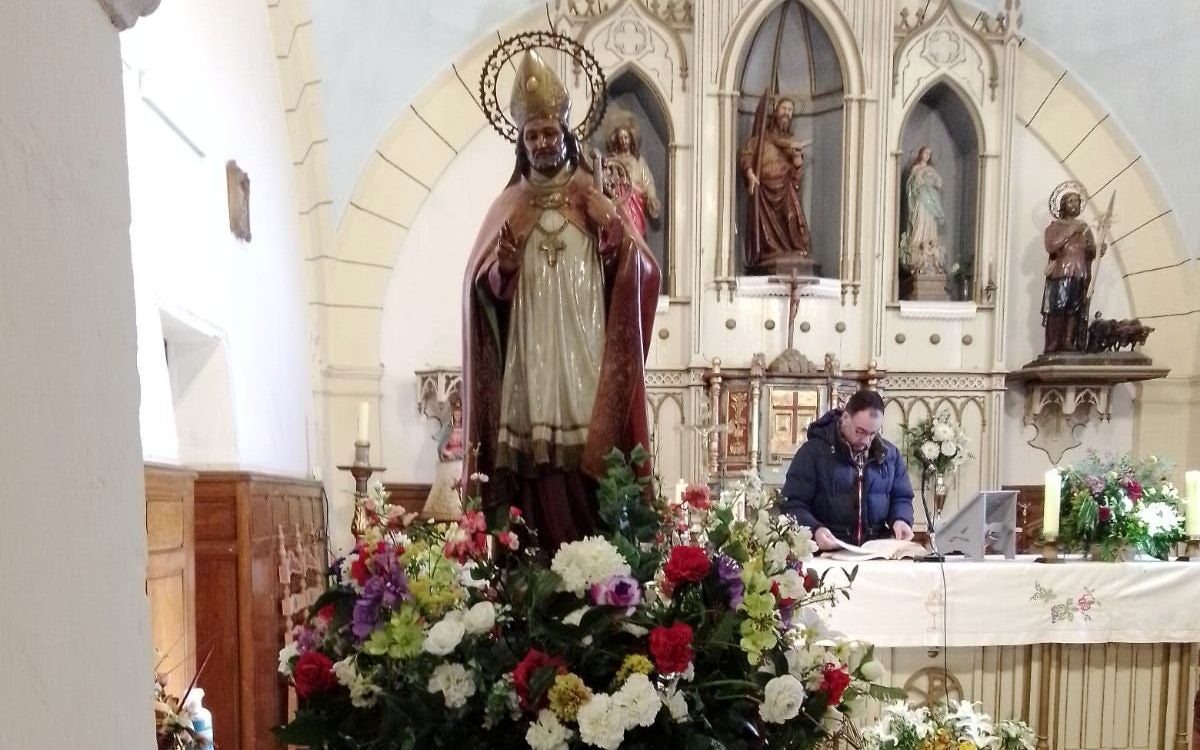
[{"x": 201, "y": 717}]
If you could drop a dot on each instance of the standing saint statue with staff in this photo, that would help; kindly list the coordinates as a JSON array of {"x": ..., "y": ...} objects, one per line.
[
  {"x": 1070, "y": 279},
  {"x": 559, "y": 300}
]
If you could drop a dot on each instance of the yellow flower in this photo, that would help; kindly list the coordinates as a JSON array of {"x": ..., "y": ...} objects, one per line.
[
  {"x": 634, "y": 664},
  {"x": 966, "y": 745},
  {"x": 566, "y": 696}
]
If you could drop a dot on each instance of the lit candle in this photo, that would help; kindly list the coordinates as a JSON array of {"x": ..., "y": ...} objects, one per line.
[
  {"x": 364, "y": 421},
  {"x": 1051, "y": 505},
  {"x": 1191, "y": 524},
  {"x": 680, "y": 488}
]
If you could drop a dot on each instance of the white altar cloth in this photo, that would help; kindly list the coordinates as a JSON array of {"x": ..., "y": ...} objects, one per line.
[{"x": 997, "y": 602}]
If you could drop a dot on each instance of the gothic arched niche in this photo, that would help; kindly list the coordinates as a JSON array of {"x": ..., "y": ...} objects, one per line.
[
  {"x": 633, "y": 103},
  {"x": 790, "y": 58},
  {"x": 939, "y": 190}
]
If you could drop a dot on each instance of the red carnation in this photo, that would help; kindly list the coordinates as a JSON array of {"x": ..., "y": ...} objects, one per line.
[
  {"x": 1104, "y": 514},
  {"x": 1134, "y": 490},
  {"x": 834, "y": 680},
  {"x": 525, "y": 670},
  {"x": 313, "y": 674},
  {"x": 671, "y": 647},
  {"x": 697, "y": 496},
  {"x": 686, "y": 564}
]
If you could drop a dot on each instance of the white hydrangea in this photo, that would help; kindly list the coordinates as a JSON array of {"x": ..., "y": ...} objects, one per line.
[
  {"x": 637, "y": 701},
  {"x": 1159, "y": 518},
  {"x": 588, "y": 561},
  {"x": 547, "y": 733},
  {"x": 791, "y": 584},
  {"x": 600, "y": 724},
  {"x": 676, "y": 704},
  {"x": 286, "y": 655},
  {"x": 454, "y": 681},
  {"x": 480, "y": 618},
  {"x": 782, "y": 699},
  {"x": 363, "y": 692},
  {"x": 444, "y": 636}
]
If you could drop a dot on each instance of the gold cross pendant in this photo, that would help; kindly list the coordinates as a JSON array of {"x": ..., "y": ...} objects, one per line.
[{"x": 552, "y": 246}]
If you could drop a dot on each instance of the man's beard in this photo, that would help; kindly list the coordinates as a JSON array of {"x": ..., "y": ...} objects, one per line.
[
  {"x": 549, "y": 163},
  {"x": 783, "y": 124}
]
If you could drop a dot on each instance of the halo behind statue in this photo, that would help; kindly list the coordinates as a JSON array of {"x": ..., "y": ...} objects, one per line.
[
  {"x": 528, "y": 40},
  {"x": 1070, "y": 186}
]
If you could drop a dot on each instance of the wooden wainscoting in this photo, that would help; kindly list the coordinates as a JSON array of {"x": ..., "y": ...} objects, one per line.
[
  {"x": 411, "y": 496},
  {"x": 171, "y": 571},
  {"x": 261, "y": 558}
]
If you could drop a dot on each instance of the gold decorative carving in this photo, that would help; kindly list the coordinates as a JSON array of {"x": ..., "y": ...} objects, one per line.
[{"x": 933, "y": 686}]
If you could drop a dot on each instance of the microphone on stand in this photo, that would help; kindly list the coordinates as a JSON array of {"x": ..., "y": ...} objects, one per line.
[{"x": 934, "y": 555}]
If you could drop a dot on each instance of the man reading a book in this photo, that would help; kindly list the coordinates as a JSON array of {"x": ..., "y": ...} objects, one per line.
[{"x": 846, "y": 482}]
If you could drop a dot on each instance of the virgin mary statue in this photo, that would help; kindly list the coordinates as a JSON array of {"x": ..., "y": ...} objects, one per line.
[{"x": 921, "y": 250}]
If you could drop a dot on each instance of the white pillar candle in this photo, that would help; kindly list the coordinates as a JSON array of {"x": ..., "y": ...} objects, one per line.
[
  {"x": 1052, "y": 504},
  {"x": 680, "y": 488},
  {"x": 364, "y": 422},
  {"x": 1191, "y": 524}
]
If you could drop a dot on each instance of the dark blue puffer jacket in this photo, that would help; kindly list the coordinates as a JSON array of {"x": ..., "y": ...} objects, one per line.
[{"x": 819, "y": 489}]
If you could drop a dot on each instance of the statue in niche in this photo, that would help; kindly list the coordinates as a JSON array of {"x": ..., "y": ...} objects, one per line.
[
  {"x": 627, "y": 176},
  {"x": 921, "y": 250},
  {"x": 559, "y": 300},
  {"x": 772, "y": 162},
  {"x": 1071, "y": 247}
]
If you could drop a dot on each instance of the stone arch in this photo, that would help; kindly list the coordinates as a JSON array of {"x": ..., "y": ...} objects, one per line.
[{"x": 963, "y": 97}]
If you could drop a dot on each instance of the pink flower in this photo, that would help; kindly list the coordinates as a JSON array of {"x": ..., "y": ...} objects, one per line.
[
  {"x": 618, "y": 591},
  {"x": 508, "y": 539},
  {"x": 697, "y": 496}
]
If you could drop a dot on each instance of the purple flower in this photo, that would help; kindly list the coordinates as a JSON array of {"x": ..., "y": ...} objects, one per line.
[
  {"x": 387, "y": 587},
  {"x": 729, "y": 575},
  {"x": 618, "y": 591}
]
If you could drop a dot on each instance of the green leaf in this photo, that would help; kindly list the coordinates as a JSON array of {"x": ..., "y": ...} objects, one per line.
[{"x": 886, "y": 693}]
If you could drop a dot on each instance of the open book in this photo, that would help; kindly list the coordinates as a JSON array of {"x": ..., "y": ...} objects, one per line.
[{"x": 876, "y": 549}]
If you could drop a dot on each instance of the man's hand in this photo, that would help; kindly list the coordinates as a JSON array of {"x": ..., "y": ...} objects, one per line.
[
  {"x": 752, "y": 186},
  {"x": 902, "y": 531},
  {"x": 507, "y": 251},
  {"x": 600, "y": 209},
  {"x": 825, "y": 539}
]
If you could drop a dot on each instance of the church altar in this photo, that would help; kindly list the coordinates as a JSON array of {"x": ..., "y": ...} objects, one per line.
[{"x": 1092, "y": 655}]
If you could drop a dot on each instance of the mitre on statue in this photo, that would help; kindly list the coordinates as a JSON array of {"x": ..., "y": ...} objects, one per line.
[{"x": 538, "y": 92}]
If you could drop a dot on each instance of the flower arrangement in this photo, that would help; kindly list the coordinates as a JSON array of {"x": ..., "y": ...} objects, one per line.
[
  {"x": 175, "y": 720},
  {"x": 936, "y": 444},
  {"x": 460, "y": 635},
  {"x": 958, "y": 726},
  {"x": 1112, "y": 505}
]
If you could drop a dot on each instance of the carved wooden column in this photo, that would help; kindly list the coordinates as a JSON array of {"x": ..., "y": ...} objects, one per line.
[
  {"x": 758, "y": 368},
  {"x": 714, "y": 435}
]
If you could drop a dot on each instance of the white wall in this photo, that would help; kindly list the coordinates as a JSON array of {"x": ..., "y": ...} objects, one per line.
[
  {"x": 1036, "y": 174},
  {"x": 74, "y": 627},
  {"x": 375, "y": 55},
  {"x": 422, "y": 309},
  {"x": 202, "y": 88}
]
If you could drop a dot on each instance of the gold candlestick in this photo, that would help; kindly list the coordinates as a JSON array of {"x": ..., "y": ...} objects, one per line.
[
  {"x": 1191, "y": 550},
  {"x": 361, "y": 470},
  {"x": 1049, "y": 550}
]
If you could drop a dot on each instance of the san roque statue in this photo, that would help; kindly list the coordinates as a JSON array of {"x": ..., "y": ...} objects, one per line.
[
  {"x": 777, "y": 238},
  {"x": 1071, "y": 248},
  {"x": 558, "y": 302}
]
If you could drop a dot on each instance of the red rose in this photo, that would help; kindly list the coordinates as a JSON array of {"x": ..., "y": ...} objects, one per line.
[
  {"x": 696, "y": 496},
  {"x": 811, "y": 580},
  {"x": 313, "y": 674},
  {"x": 834, "y": 680},
  {"x": 525, "y": 670},
  {"x": 671, "y": 647},
  {"x": 325, "y": 614},
  {"x": 1134, "y": 488},
  {"x": 686, "y": 564},
  {"x": 1104, "y": 514}
]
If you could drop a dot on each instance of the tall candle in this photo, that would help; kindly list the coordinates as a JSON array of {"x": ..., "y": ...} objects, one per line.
[
  {"x": 1052, "y": 504},
  {"x": 680, "y": 488},
  {"x": 364, "y": 422},
  {"x": 1191, "y": 524}
]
